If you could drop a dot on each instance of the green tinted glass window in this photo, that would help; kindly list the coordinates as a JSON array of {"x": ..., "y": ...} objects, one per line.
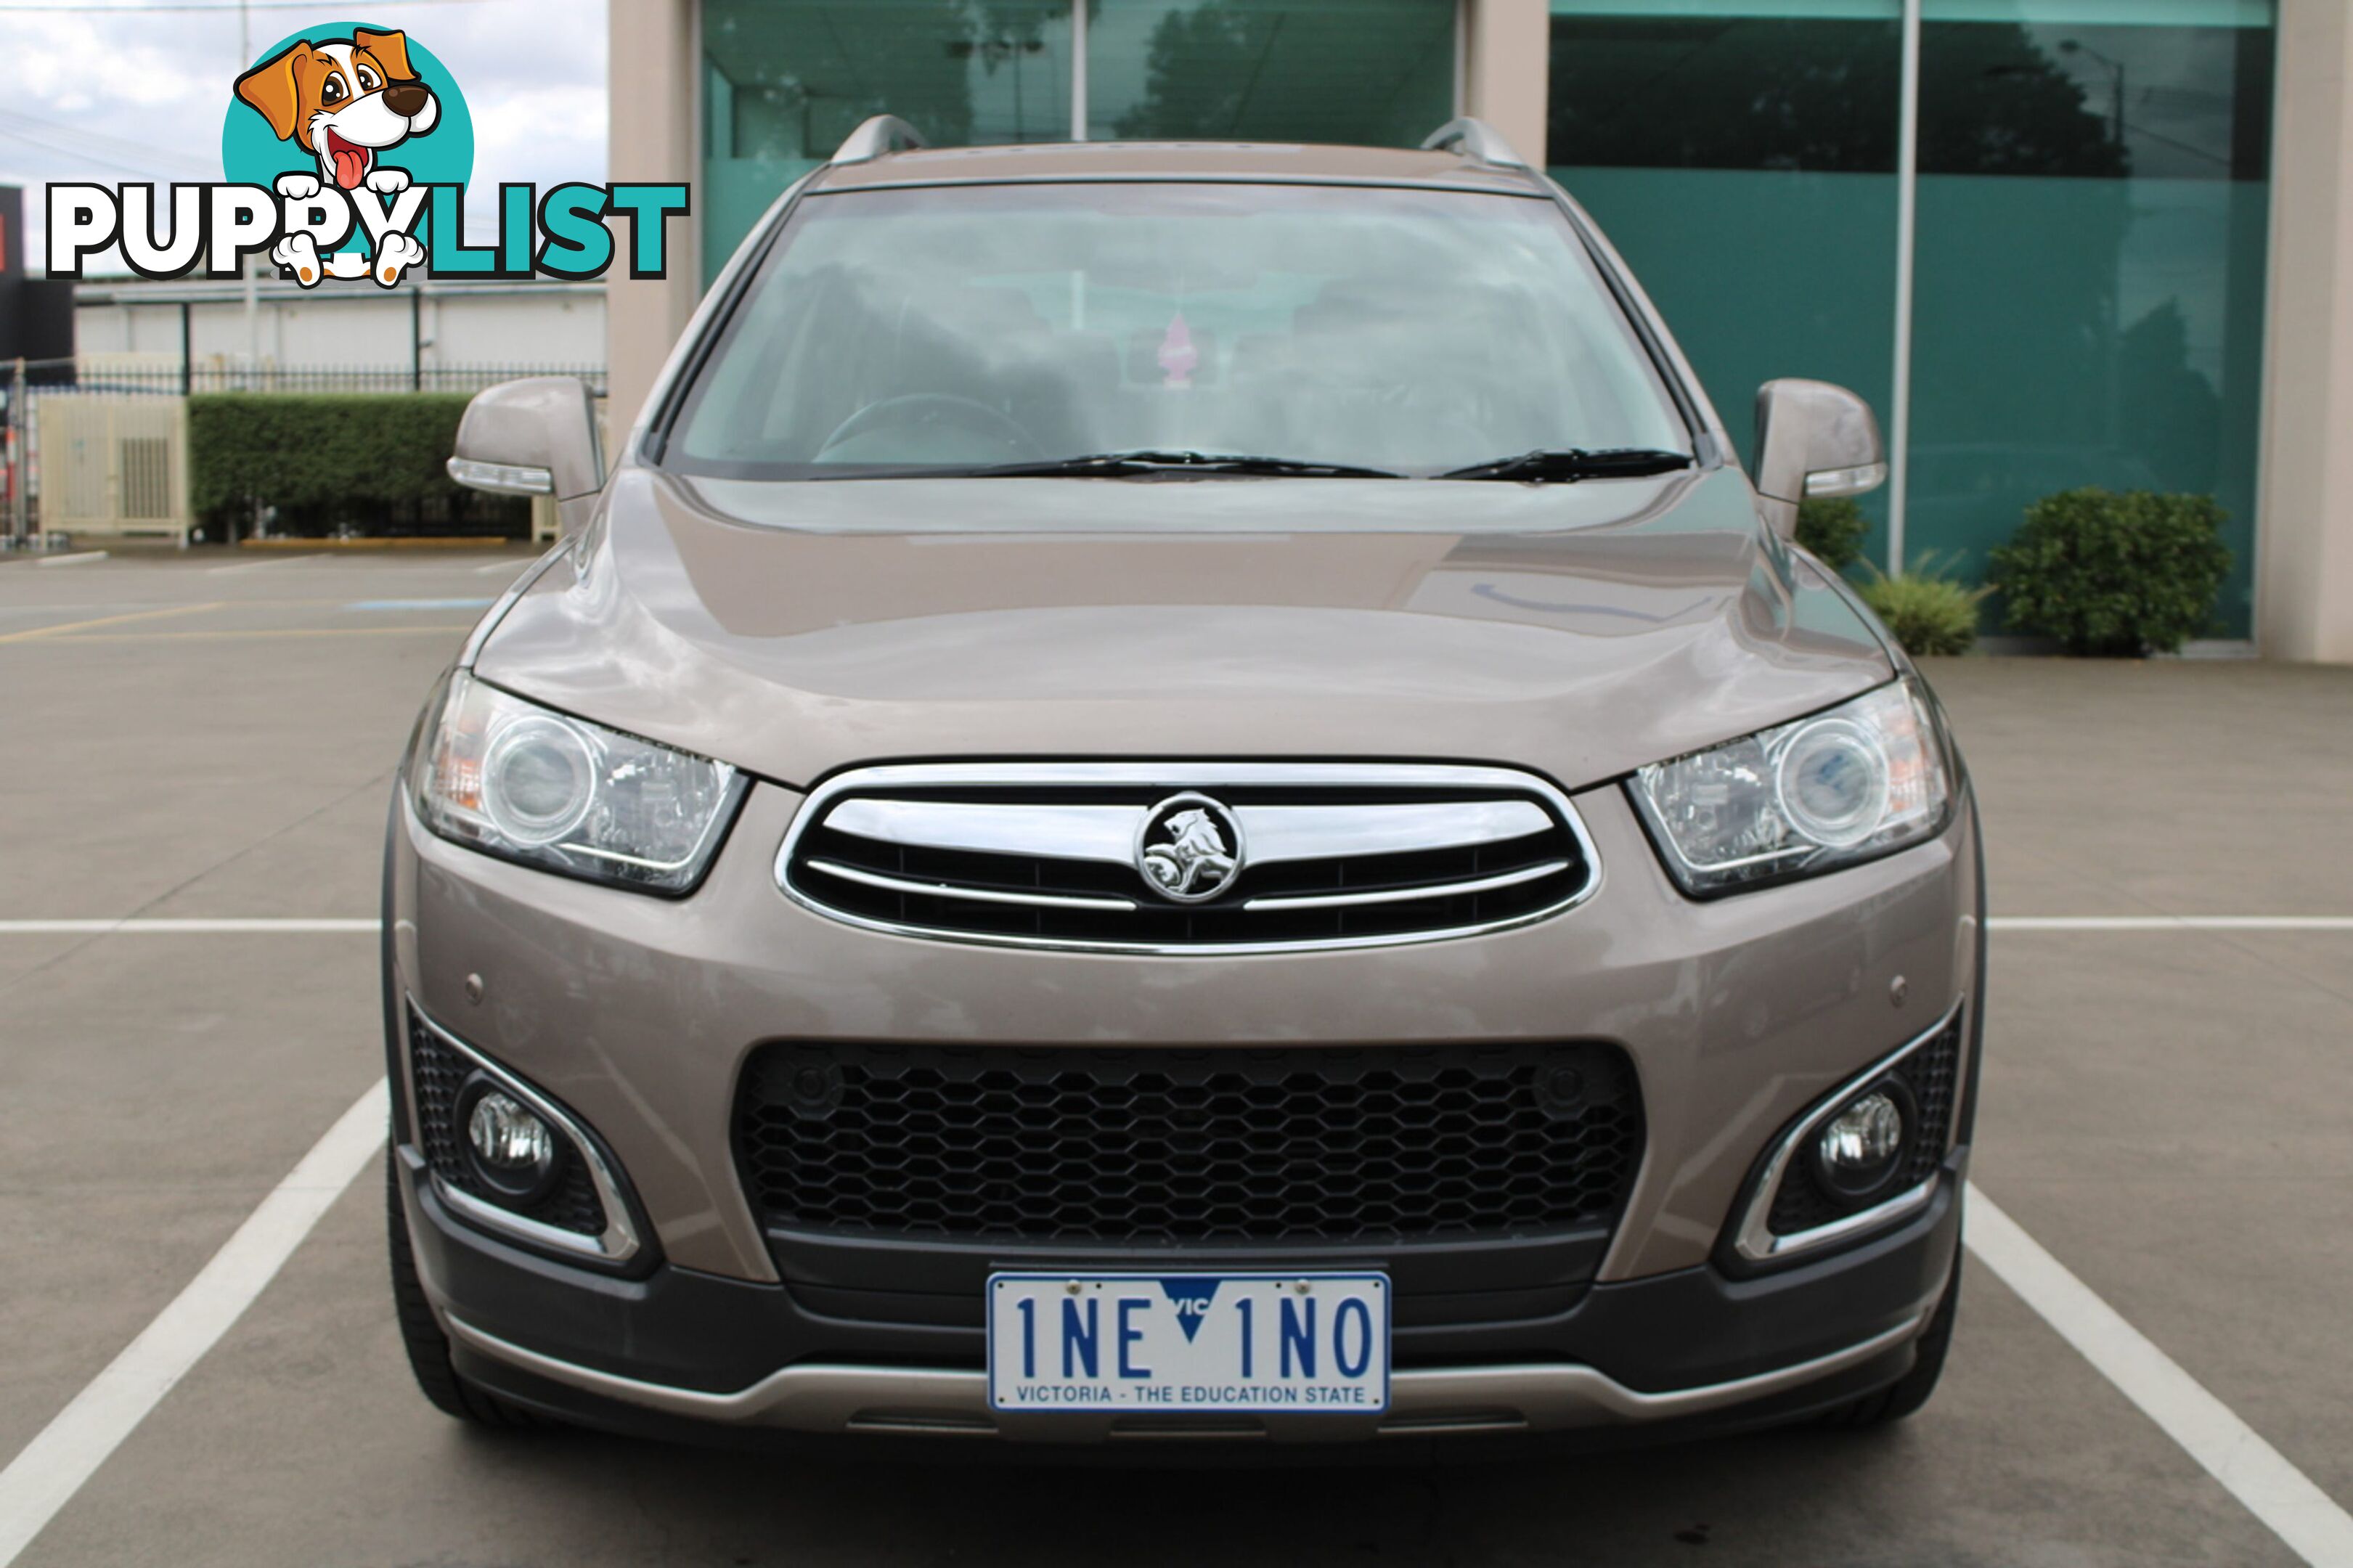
[
  {"x": 1369, "y": 72},
  {"x": 784, "y": 80},
  {"x": 1723, "y": 91},
  {"x": 2090, "y": 251},
  {"x": 2103, "y": 102},
  {"x": 2088, "y": 299},
  {"x": 1742, "y": 158}
]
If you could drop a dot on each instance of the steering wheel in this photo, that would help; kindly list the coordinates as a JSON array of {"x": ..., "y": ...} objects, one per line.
[{"x": 919, "y": 410}]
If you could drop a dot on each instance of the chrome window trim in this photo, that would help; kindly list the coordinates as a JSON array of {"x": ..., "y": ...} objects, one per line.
[
  {"x": 1755, "y": 1242},
  {"x": 619, "y": 1241},
  {"x": 1179, "y": 776}
]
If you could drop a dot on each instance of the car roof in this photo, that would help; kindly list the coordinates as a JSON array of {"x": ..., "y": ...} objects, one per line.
[{"x": 1253, "y": 161}]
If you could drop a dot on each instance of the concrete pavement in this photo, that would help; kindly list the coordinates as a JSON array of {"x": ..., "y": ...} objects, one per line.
[{"x": 2169, "y": 1113}]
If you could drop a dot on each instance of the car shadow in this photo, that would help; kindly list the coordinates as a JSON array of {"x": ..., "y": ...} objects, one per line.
[{"x": 1785, "y": 1497}]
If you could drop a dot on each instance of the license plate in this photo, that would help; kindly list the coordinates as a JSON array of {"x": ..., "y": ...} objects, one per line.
[{"x": 1311, "y": 1343}]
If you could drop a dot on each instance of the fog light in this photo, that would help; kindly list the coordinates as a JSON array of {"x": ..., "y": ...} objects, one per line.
[
  {"x": 514, "y": 1153},
  {"x": 1862, "y": 1146},
  {"x": 507, "y": 1136}
]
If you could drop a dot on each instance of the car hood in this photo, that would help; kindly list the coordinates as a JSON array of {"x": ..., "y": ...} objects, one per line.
[{"x": 794, "y": 629}]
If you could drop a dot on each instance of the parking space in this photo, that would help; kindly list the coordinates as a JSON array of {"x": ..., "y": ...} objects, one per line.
[
  {"x": 2170, "y": 1112},
  {"x": 300, "y": 1441}
]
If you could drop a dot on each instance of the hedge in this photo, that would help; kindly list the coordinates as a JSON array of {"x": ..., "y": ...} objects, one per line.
[
  {"x": 357, "y": 462},
  {"x": 1832, "y": 526},
  {"x": 2115, "y": 575}
]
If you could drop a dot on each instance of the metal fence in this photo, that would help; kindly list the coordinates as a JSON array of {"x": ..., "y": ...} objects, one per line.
[
  {"x": 25, "y": 384},
  {"x": 98, "y": 376}
]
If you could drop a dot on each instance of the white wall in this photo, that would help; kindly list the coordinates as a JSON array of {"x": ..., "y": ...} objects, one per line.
[
  {"x": 2304, "y": 530},
  {"x": 654, "y": 54},
  {"x": 558, "y": 326},
  {"x": 1506, "y": 71}
]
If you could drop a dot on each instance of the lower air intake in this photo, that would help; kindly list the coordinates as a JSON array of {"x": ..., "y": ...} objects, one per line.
[{"x": 1087, "y": 1145}]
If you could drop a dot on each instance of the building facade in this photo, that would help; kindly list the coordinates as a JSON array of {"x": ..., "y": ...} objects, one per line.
[
  {"x": 434, "y": 333},
  {"x": 2054, "y": 242}
]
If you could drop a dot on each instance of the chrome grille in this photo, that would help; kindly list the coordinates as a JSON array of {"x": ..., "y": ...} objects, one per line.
[{"x": 1050, "y": 853}]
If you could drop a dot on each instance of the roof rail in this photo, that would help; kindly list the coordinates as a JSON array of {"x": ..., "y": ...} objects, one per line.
[
  {"x": 1473, "y": 138},
  {"x": 883, "y": 133}
]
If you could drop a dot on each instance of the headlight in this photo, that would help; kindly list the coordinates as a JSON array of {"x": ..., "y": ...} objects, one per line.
[
  {"x": 504, "y": 776},
  {"x": 1859, "y": 780}
]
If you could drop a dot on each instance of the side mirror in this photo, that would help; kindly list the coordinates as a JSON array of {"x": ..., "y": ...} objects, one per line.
[
  {"x": 536, "y": 436},
  {"x": 1812, "y": 439}
]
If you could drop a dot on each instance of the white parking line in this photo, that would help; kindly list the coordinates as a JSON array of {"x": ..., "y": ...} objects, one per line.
[
  {"x": 70, "y": 1450},
  {"x": 184, "y": 927},
  {"x": 2251, "y": 1469},
  {"x": 79, "y": 558},
  {"x": 265, "y": 565},
  {"x": 2171, "y": 922},
  {"x": 55, "y": 1465}
]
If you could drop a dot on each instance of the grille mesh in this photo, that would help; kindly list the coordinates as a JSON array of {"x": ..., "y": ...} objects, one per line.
[
  {"x": 1933, "y": 1075},
  {"x": 438, "y": 1074},
  {"x": 1164, "y": 1146}
]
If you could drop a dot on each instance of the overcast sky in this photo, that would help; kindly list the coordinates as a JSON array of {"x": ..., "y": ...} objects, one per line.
[{"x": 137, "y": 88}]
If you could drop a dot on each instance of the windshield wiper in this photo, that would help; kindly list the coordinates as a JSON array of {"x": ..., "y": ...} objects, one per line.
[
  {"x": 1574, "y": 463},
  {"x": 1149, "y": 461}
]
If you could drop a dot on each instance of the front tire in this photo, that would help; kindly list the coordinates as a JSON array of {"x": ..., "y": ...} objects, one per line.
[{"x": 421, "y": 1335}]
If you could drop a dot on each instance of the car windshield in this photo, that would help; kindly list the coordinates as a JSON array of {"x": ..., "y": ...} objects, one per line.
[{"x": 951, "y": 330}]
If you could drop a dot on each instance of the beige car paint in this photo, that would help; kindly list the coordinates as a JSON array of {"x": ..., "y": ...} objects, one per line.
[
  {"x": 796, "y": 630},
  {"x": 637, "y": 1012},
  {"x": 1579, "y": 630}
]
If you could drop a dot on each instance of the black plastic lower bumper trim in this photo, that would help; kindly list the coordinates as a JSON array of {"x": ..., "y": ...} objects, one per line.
[{"x": 701, "y": 1332}]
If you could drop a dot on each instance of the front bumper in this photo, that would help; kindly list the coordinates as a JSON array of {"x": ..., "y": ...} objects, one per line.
[
  {"x": 680, "y": 1354},
  {"x": 638, "y": 1014}
]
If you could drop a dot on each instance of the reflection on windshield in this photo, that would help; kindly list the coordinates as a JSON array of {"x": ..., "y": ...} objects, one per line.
[{"x": 948, "y": 329}]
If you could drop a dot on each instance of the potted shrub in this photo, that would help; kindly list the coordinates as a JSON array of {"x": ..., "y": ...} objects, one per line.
[
  {"x": 1831, "y": 528},
  {"x": 2115, "y": 575},
  {"x": 1931, "y": 615}
]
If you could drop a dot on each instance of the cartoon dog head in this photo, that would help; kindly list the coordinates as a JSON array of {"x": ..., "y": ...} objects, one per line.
[{"x": 344, "y": 101}]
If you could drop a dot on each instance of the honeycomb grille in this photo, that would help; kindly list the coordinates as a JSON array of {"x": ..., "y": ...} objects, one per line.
[
  {"x": 1166, "y": 1146},
  {"x": 439, "y": 1073},
  {"x": 1933, "y": 1075}
]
